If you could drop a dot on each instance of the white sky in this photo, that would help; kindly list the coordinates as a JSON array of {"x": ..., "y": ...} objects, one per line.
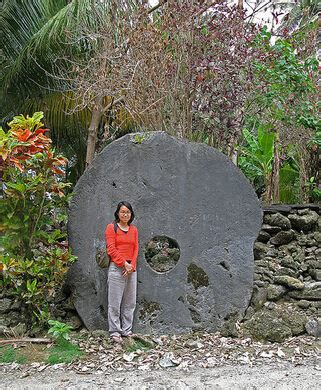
[{"x": 264, "y": 16}]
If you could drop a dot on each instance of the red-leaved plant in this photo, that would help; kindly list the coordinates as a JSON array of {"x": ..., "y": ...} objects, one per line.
[{"x": 34, "y": 255}]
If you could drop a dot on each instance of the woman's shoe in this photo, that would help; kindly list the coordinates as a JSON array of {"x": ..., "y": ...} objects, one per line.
[{"x": 117, "y": 339}]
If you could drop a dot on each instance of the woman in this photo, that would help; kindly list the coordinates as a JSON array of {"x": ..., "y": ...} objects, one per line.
[{"x": 122, "y": 247}]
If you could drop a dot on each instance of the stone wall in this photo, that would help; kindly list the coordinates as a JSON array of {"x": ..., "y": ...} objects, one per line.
[
  {"x": 286, "y": 299},
  {"x": 13, "y": 318}
]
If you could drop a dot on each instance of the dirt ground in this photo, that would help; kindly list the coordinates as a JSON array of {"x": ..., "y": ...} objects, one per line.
[
  {"x": 191, "y": 361},
  {"x": 283, "y": 375}
]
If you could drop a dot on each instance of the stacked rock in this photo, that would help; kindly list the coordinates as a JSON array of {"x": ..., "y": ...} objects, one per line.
[
  {"x": 286, "y": 299},
  {"x": 14, "y": 320}
]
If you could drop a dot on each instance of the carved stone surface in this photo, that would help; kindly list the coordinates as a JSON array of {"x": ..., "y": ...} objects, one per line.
[{"x": 186, "y": 191}]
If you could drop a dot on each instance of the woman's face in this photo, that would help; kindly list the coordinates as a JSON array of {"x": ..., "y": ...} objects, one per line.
[{"x": 124, "y": 215}]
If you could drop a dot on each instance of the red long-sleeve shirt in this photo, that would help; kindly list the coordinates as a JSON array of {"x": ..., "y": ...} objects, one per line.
[{"x": 122, "y": 246}]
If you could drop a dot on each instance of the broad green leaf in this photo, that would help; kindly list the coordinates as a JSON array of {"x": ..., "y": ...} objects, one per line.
[{"x": 17, "y": 186}]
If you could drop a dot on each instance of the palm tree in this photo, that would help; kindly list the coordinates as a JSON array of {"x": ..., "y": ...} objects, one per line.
[{"x": 36, "y": 38}]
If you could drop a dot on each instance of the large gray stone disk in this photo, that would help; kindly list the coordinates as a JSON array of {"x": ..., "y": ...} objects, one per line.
[{"x": 186, "y": 191}]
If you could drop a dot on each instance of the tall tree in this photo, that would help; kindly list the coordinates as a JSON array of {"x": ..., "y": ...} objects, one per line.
[{"x": 38, "y": 38}]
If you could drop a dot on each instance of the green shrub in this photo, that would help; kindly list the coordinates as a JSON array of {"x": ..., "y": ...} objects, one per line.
[
  {"x": 33, "y": 212},
  {"x": 289, "y": 184},
  {"x": 59, "y": 329},
  {"x": 256, "y": 157}
]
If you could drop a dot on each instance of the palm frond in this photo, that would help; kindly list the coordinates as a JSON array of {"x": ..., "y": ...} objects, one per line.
[{"x": 38, "y": 41}]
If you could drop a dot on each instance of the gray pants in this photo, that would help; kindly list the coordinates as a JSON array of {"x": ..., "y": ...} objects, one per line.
[{"x": 121, "y": 300}]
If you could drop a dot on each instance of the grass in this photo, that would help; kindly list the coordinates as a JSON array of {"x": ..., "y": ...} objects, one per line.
[
  {"x": 8, "y": 354},
  {"x": 135, "y": 344},
  {"x": 64, "y": 352}
]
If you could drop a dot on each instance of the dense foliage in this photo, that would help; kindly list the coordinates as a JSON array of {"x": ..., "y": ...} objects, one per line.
[
  {"x": 196, "y": 70},
  {"x": 34, "y": 255},
  {"x": 284, "y": 107}
]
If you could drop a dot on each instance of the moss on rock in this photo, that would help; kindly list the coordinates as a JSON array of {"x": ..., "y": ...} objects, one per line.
[
  {"x": 148, "y": 309},
  {"x": 276, "y": 324},
  {"x": 290, "y": 282},
  {"x": 197, "y": 276}
]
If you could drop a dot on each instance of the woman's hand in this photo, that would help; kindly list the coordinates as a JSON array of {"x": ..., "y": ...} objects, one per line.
[{"x": 128, "y": 268}]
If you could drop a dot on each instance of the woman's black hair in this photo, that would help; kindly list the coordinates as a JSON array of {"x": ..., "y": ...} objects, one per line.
[{"x": 128, "y": 205}]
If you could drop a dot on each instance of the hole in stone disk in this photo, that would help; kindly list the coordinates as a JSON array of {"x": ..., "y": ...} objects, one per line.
[
  {"x": 162, "y": 253},
  {"x": 114, "y": 184}
]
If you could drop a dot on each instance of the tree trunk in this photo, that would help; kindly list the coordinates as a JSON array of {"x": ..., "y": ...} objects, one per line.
[
  {"x": 93, "y": 130},
  {"x": 318, "y": 56},
  {"x": 26, "y": 340},
  {"x": 318, "y": 168},
  {"x": 266, "y": 196},
  {"x": 235, "y": 126},
  {"x": 303, "y": 181},
  {"x": 274, "y": 188},
  {"x": 231, "y": 147}
]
